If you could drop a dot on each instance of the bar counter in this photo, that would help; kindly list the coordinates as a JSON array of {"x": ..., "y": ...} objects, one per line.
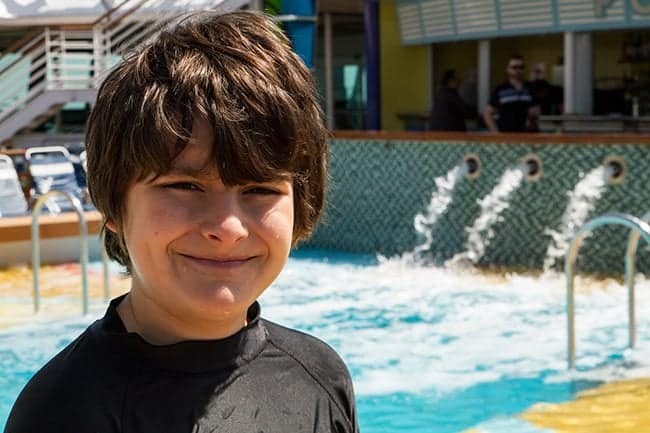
[{"x": 487, "y": 137}]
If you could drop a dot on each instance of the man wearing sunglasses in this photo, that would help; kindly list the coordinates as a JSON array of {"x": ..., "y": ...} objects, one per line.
[{"x": 513, "y": 101}]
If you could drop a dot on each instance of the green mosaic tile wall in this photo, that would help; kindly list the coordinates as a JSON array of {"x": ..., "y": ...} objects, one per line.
[{"x": 378, "y": 186}]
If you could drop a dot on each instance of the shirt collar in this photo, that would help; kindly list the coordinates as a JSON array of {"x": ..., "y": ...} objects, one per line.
[{"x": 190, "y": 356}]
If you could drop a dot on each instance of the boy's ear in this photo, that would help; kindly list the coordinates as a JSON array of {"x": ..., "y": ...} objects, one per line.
[{"x": 111, "y": 226}]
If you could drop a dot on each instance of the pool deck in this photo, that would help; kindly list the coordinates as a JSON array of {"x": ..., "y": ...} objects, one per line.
[
  {"x": 60, "y": 293},
  {"x": 13, "y": 229},
  {"x": 616, "y": 407},
  {"x": 59, "y": 237}
]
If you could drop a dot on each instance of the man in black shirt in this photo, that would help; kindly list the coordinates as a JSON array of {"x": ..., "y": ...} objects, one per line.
[
  {"x": 517, "y": 109},
  {"x": 449, "y": 109},
  {"x": 206, "y": 156}
]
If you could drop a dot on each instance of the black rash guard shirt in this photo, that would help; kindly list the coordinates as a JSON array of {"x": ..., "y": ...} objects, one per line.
[{"x": 265, "y": 378}]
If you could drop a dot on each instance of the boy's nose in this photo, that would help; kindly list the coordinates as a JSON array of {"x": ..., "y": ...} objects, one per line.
[{"x": 223, "y": 222}]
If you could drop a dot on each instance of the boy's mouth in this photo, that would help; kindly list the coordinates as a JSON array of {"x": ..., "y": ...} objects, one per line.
[{"x": 218, "y": 262}]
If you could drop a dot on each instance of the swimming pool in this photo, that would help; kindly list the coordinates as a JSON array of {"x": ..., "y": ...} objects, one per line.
[{"x": 429, "y": 349}]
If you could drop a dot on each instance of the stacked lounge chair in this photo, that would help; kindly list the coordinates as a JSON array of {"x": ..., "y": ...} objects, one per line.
[
  {"x": 12, "y": 199},
  {"x": 51, "y": 169}
]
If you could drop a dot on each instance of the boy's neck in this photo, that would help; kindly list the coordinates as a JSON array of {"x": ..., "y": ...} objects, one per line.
[{"x": 158, "y": 327}]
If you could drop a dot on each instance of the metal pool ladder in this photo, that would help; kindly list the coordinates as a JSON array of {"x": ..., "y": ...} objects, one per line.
[
  {"x": 83, "y": 237},
  {"x": 640, "y": 228}
]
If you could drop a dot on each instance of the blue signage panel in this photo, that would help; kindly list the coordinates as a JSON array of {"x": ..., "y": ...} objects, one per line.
[
  {"x": 428, "y": 21},
  {"x": 302, "y": 31}
]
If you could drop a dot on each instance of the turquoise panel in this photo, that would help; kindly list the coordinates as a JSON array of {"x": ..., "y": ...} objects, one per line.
[{"x": 14, "y": 81}]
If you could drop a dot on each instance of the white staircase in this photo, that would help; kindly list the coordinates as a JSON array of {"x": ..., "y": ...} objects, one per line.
[{"x": 51, "y": 67}]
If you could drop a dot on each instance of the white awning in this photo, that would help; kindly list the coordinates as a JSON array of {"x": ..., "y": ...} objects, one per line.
[{"x": 46, "y": 12}]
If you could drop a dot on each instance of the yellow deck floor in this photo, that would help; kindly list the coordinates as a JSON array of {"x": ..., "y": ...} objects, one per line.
[
  {"x": 617, "y": 407},
  {"x": 60, "y": 293}
]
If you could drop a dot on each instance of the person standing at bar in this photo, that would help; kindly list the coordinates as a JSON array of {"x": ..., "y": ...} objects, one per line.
[
  {"x": 513, "y": 101},
  {"x": 540, "y": 88},
  {"x": 449, "y": 109}
]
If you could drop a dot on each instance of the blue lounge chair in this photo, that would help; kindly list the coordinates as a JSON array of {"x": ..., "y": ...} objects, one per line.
[
  {"x": 12, "y": 199},
  {"x": 51, "y": 169}
]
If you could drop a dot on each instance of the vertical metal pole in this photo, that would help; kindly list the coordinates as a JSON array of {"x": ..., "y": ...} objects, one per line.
[
  {"x": 570, "y": 315},
  {"x": 569, "y": 72},
  {"x": 329, "y": 71},
  {"x": 48, "y": 59},
  {"x": 99, "y": 54},
  {"x": 630, "y": 271},
  {"x": 629, "y": 277},
  {"x": 431, "y": 76},
  {"x": 83, "y": 233},
  {"x": 372, "y": 64},
  {"x": 569, "y": 271},
  {"x": 105, "y": 269},
  {"x": 484, "y": 73},
  {"x": 36, "y": 256},
  {"x": 583, "y": 73}
]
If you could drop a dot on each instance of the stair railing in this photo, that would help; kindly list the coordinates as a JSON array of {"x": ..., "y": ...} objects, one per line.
[{"x": 50, "y": 60}]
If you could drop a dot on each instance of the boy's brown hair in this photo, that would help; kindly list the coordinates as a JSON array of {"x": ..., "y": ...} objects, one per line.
[{"x": 236, "y": 71}]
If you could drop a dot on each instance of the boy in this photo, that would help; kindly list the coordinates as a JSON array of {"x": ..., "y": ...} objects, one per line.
[{"x": 207, "y": 157}]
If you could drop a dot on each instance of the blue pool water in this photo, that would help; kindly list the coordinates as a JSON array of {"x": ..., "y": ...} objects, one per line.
[{"x": 430, "y": 350}]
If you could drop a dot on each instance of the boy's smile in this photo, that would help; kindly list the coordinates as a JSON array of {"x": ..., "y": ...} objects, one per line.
[{"x": 202, "y": 252}]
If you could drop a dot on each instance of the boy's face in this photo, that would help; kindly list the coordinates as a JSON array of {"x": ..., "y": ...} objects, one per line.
[{"x": 200, "y": 250}]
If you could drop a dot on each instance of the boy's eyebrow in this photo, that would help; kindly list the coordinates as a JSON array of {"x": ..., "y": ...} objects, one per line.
[{"x": 191, "y": 170}]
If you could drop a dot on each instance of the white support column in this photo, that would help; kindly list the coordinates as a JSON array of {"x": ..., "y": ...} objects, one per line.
[
  {"x": 99, "y": 55},
  {"x": 584, "y": 75},
  {"x": 431, "y": 76},
  {"x": 329, "y": 71},
  {"x": 257, "y": 5},
  {"x": 484, "y": 75},
  {"x": 569, "y": 73},
  {"x": 48, "y": 58},
  {"x": 578, "y": 73}
]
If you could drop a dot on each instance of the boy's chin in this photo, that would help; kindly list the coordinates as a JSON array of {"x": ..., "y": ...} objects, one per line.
[{"x": 221, "y": 300}]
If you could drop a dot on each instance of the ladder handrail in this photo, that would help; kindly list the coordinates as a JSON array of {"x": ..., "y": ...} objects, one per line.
[
  {"x": 613, "y": 218},
  {"x": 630, "y": 270},
  {"x": 106, "y": 271},
  {"x": 83, "y": 238}
]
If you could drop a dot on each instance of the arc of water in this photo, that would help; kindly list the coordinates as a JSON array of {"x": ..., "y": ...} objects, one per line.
[
  {"x": 440, "y": 200},
  {"x": 492, "y": 205},
  {"x": 582, "y": 201}
]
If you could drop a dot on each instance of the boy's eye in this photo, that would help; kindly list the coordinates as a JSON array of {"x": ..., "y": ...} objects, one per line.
[
  {"x": 262, "y": 190},
  {"x": 186, "y": 186}
]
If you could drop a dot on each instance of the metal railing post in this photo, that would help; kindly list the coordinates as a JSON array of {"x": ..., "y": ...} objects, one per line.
[
  {"x": 640, "y": 228},
  {"x": 630, "y": 270},
  {"x": 105, "y": 261},
  {"x": 48, "y": 59},
  {"x": 83, "y": 237}
]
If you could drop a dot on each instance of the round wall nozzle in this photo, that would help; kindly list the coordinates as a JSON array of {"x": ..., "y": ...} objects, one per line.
[
  {"x": 532, "y": 166},
  {"x": 472, "y": 166},
  {"x": 616, "y": 169}
]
